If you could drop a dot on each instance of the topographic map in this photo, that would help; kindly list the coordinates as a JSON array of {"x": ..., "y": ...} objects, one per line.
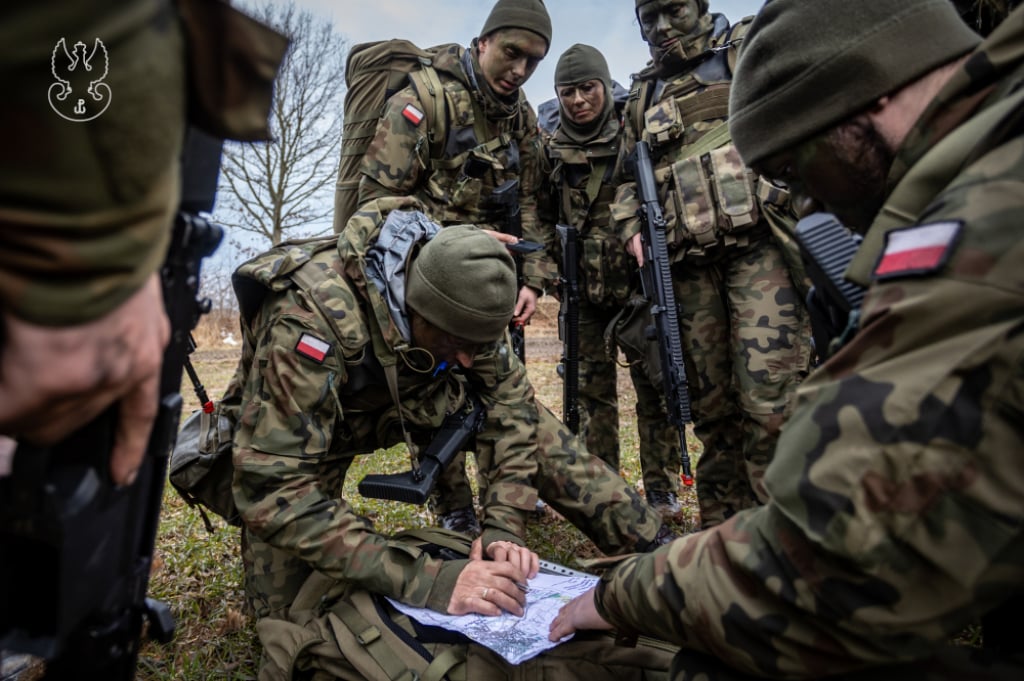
[{"x": 514, "y": 638}]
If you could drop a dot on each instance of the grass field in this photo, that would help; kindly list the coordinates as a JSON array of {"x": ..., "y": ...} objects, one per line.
[{"x": 199, "y": 575}]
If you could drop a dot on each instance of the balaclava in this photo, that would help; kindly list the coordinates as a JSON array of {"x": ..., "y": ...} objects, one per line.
[{"x": 577, "y": 65}]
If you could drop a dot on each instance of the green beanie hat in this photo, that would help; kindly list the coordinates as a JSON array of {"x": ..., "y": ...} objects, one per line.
[
  {"x": 531, "y": 15},
  {"x": 807, "y": 66},
  {"x": 581, "y": 63},
  {"x": 463, "y": 281}
]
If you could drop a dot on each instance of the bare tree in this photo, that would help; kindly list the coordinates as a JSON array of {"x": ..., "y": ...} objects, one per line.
[{"x": 273, "y": 188}]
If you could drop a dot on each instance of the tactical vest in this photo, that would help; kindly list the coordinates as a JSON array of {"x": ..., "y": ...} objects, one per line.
[
  {"x": 583, "y": 177},
  {"x": 708, "y": 195},
  {"x": 477, "y": 154}
]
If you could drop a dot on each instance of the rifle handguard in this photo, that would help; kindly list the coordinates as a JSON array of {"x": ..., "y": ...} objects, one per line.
[{"x": 414, "y": 486}]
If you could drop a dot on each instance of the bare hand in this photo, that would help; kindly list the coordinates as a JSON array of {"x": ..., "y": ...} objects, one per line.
[
  {"x": 54, "y": 380},
  {"x": 502, "y": 237},
  {"x": 523, "y": 558},
  {"x": 578, "y": 614},
  {"x": 488, "y": 588},
  {"x": 635, "y": 248},
  {"x": 526, "y": 305}
]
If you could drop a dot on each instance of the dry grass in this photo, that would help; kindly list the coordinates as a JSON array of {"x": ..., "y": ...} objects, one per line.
[{"x": 199, "y": 574}]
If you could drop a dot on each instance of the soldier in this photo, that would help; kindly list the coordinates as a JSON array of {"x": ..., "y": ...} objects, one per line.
[
  {"x": 581, "y": 155},
  {"x": 329, "y": 349},
  {"x": 898, "y": 487},
  {"x": 488, "y": 136},
  {"x": 744, "y": 324}
]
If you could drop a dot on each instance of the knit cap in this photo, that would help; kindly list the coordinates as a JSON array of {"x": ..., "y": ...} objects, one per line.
[
  {"x": 581, "y": 63},
  {"x": 807, "y": 66},
  {"x": 531, "y": 15},
  {"x": 463, "y": 281}
]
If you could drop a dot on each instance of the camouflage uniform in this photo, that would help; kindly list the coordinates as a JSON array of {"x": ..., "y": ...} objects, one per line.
[
  {"x": 744, "y": 326},
  {"x": 406, "y": 159},
  {"x": 302, "y": 422},
  {"x": 897, "y": 489},
  {"x": 85, "y": 207},
  {"x": 607, "y": 278}
]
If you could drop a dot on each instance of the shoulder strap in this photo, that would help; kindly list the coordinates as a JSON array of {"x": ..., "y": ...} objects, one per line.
[
  {"x": 428, "y": 86},
  {"x": 639, "y": 98},
  {"x": 713, "y": 139},
  {"x": 307, "y": 277}
]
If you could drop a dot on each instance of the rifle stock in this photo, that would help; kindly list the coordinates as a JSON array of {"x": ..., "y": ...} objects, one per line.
[
  {"x": 656, "y": 276},
  {"x": 76, "y": 548},
  {"x": 569, "y": 326}
]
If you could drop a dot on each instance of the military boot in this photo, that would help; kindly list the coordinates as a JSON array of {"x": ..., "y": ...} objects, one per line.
[
  {"x": 665, "y": 503},
  {"x": 462, "y": 520}
]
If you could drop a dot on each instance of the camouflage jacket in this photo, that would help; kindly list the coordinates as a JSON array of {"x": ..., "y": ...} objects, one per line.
[
  {"x": 577, "y": 189},
  {"x": 897, "y": 488},
  {"x": 85, "y": 207},
  {"x": 710, "y": 199},
  {"x": 453, "y": 170},
  {"x": 317, "y": 338}
]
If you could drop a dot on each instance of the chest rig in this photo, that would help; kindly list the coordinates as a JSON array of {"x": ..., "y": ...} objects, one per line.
[
  {"x": 469, "y": 154},
  {"x": 708, "y": 195}
]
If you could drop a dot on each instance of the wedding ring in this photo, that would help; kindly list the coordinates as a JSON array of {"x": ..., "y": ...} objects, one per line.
[{"x": 487, "y": 590}]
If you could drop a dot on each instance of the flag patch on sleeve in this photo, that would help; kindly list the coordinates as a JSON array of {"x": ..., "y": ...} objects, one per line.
[
  {"x": 412, "y": 114},
  {"x": 917, "y": 250},
  {"x": 312, "y": 347}
]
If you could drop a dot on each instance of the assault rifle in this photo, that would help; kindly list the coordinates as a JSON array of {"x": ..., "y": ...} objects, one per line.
[
  {"x": 506, "y": 197},
  {"x": 656, "y": 277},
  {"x": 569, "y": 326},
  {"x": 77, "y": 549},
  {"x": 414, "y": 486},
  {"x": 827, "y": 247}
]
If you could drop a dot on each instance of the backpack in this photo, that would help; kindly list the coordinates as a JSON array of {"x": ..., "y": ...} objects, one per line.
[
  {"x": 333, "y": 631},
  {"x": 374, "y": 72},
  {"x": 201, "y": 468}
]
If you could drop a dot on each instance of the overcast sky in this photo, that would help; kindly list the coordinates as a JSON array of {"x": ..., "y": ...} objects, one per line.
[{"x": 608, "y": 25}]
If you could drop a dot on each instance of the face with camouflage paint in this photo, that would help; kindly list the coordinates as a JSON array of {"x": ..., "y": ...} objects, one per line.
[
  {"x": 508, "y": 57},
  {"x": 665, "y": 22},
  {"x": 582, "y": 102},
  {"x": 844, "y": 169},
  {"x": 445, "y": 348}
]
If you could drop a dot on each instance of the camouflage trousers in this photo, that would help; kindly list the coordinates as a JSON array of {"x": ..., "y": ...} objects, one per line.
[
  {"x": 588, "y": 492},
  {"x": 581, "y": 487},
  {"x": 746, "y": 336},
  {"x": 599, "y": 418},
  {"x": 599, "y": 406}
]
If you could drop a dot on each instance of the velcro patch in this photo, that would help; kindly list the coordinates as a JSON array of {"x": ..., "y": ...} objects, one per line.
[
  {"x": 412, "y": 114},
  {"x": 920, "y": 249},
  {"x": 312, "y": 347}
]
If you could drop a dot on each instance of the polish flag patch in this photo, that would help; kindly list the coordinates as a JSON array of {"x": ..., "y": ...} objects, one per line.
[
  {"x": 917, "y": 250},
  {"x": 312, "y": 347},
  {"x": 412, "y": 114}
]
